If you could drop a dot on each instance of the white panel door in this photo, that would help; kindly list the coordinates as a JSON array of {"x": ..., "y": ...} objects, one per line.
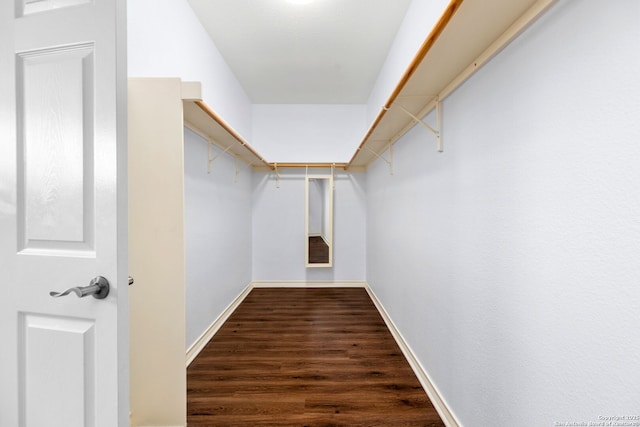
[{"x": 63, "y": 361}]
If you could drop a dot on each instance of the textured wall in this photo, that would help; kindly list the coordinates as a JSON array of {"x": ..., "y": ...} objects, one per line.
[
  {"x": 217, "y": 233},
  {"x": 510, "y": 262}
]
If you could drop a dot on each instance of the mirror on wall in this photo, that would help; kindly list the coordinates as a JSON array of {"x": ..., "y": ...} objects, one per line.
[{"x": 319, "y": 220}]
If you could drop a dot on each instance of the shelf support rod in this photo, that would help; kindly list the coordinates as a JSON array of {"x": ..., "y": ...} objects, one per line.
[
  {"x": 436, "y": 132},
  {"x": 388, "y": 162},
  {"x": 213, "y": 159},
  {"x": 275, "y": 165}
]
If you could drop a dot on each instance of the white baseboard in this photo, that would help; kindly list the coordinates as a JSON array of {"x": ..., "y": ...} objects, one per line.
[
  {"x": 308, "y": 284},
  {"x": 206, "y": 336},
  {"x": 434, "y": 395}
]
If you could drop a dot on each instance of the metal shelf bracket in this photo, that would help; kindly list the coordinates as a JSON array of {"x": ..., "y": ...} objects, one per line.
[
  {"x": 437, "y": 130},
  {"x": 214, "y": 158},
  {"x": 388, "y": 162}
]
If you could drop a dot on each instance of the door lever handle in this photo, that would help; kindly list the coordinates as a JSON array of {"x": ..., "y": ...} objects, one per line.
[{"x": 98, "y": 287}]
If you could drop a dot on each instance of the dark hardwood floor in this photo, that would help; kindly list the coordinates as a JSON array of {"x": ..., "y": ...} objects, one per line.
[{"x": 305, "y": 357}]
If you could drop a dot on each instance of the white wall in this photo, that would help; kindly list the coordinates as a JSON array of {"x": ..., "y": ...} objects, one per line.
[
  {"x": 278, "y": 228},
  {"x": 308, "y": 133},
  {"x": 166, "y": 39},
  {"x": 217, "y": 233},
  {"x": 416, "y": 26},
  {"x": 510, "y": 261}
]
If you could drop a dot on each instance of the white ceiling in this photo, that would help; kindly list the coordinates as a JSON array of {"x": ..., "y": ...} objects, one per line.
[{"x": 323, "y": 52}]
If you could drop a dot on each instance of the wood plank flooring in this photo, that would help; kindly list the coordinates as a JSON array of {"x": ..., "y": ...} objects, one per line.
[{"x": 305, "y": 357}]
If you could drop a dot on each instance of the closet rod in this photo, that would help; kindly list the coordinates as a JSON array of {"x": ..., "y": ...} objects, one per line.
[
  {"x": 204, "y": 107},
  {"x": 308, "y": 165}
]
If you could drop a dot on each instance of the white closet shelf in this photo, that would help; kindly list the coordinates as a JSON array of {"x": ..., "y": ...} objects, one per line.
[
  {"x": 199, "y": 117},
  {"x": 468, "y": 34}
]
